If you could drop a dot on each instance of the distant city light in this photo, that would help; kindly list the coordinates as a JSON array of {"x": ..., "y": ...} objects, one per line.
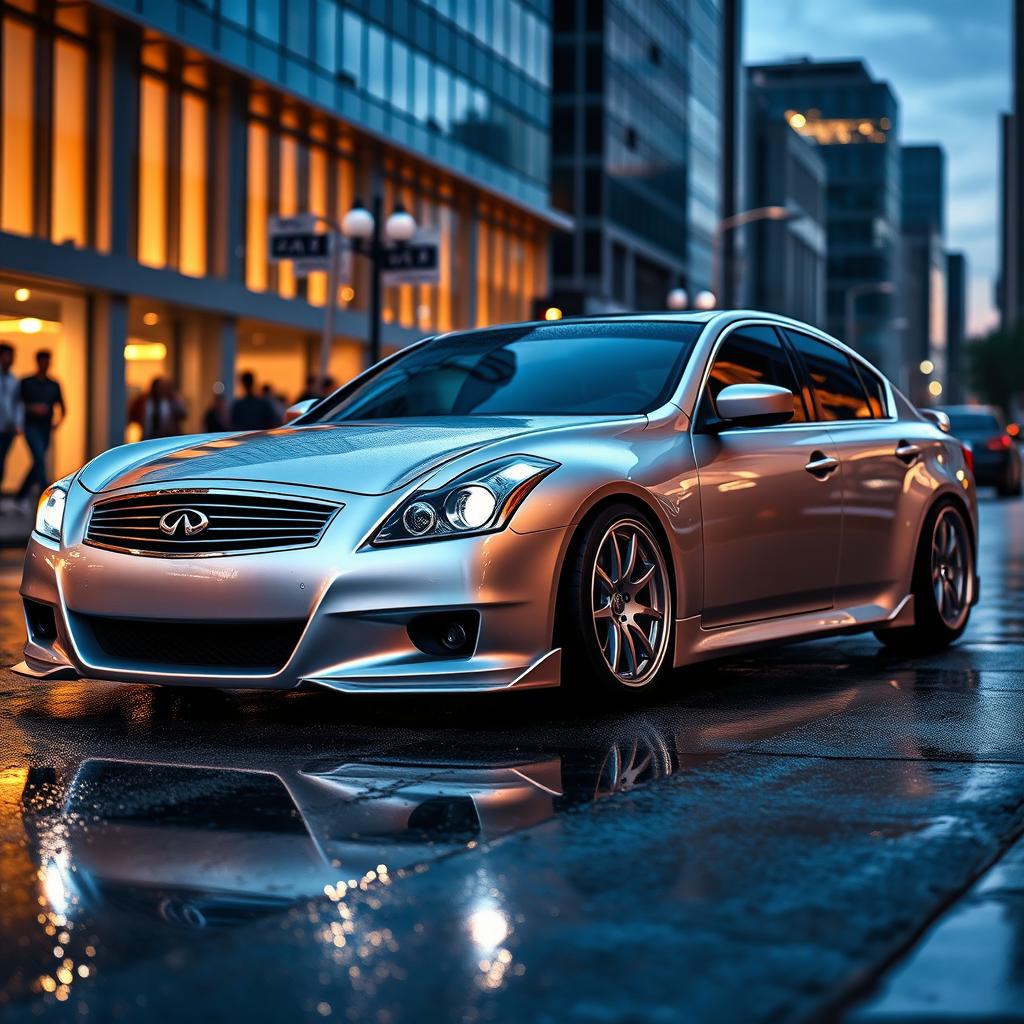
[
  {"x": 22, "y": 295},
  {"x": 552, "y": 313},
  {"x": 935, "y": 389},
  {"x": 705, "y": 300},
  {"x": 797, "y": 120},
  {"x": 30, "y": 325},
  {"x": 927, "y": 366},
  {"x": 677, "y": 298},
  {"x": 150, "y": 319},
  {"x": 348, "y": 293}
]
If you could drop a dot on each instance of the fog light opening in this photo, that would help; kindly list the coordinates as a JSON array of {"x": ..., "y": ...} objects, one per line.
[{"x": 450, "y": 634}]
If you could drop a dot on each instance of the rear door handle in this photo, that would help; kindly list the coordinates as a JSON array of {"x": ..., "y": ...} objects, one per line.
[
  {"x": 907, "y": 452},
  {"x": 821, "y": 465}
]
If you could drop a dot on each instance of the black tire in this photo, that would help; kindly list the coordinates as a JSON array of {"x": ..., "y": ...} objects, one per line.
[
  {"x": 608, "y": 618},
  {"x": 951, "y": 575}
]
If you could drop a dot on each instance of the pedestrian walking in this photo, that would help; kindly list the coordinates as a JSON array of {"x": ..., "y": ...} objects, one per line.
[
  {"x": 12, "y": 412},
  {"x": 41, "y": 397},
  {"x": 160, "y": 412},
  {"x": 252, "y": 411}
]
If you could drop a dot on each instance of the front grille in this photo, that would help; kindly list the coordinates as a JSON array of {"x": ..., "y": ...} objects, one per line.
[
  {"x": 263, "y": 645},
  {"x": 202, "y": 522}
]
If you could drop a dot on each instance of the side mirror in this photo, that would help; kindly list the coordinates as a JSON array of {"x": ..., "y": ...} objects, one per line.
[
  {"x": 299, "y": 409},
  {"x": 939, "y": 418},
  {"x": 754, "y": 405}
]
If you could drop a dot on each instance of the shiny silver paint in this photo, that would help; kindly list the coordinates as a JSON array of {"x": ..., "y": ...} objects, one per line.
[{"x": 772, "y": 533}]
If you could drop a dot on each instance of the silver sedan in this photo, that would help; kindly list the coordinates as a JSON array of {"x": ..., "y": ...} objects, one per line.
[{"x": 592, "y": 502}]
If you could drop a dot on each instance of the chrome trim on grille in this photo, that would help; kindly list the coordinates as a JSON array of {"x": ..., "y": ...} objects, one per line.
[{"x": 240, "y": 522}]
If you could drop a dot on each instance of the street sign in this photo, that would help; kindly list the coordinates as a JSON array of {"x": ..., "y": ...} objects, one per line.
[
  {"x": 297, "y": 240},
  {"x": 416, "y": 262}
]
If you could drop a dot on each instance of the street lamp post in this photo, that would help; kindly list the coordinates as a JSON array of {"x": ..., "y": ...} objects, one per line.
[
  {"x": 370, "y": 238},
  {"x": 738, "y": 220},
  {"x": 854, "y": 292}
]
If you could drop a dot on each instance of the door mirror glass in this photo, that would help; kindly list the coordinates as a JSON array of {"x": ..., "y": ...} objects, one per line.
[
  {"x": 754, "y": 405},
  {"x": 299, "y": 409}
]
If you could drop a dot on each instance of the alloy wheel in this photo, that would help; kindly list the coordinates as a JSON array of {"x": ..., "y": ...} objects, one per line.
[
  {"x": 951, "y": 571},
  {"x": 630, "y": 602}
]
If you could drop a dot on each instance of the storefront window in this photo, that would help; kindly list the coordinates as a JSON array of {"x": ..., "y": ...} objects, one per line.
[
  {"x": 152, "y": 246},
  {"x": 192, "y": 259},
  {"x": 18, "y": 103}
]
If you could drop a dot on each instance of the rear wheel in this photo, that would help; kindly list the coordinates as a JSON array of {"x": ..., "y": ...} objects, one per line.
[
  {"x": 617, "y": 608},
  {"x": 943, "y": 585}
]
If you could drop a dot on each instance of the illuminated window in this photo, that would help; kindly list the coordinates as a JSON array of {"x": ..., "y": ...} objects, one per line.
[
  {"x": 18, "y": 100},
  {"x": 256, "y": 208},
  {"x": 69, "y": 159},
  {"x": 152, "y": 244},
  {"x": 192, "y": 228}
]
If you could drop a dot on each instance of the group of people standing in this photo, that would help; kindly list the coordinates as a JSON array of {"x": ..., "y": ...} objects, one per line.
[
  {"x": 31, "y": 407},
  {"x": 161, "y": 412}
]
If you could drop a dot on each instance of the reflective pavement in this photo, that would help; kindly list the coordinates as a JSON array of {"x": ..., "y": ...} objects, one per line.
[{"x": 804, "y": 833}]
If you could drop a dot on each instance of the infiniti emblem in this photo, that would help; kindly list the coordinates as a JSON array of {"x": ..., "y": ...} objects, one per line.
[{"x": 187, "y": 521}]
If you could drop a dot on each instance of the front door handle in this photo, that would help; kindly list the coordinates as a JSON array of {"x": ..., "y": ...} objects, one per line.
[
  {"x": 907, "y": 452},
  {"x": 821, "y": 465}
]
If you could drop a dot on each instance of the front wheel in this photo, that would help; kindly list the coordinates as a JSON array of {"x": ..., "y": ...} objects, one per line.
[
  {"x": 943, "y": 585},
  {"x": 617, "y": 619}
]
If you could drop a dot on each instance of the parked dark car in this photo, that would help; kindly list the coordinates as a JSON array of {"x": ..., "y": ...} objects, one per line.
[{"x": 997, "y": 460}]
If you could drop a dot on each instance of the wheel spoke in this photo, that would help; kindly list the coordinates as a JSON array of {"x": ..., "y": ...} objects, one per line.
[
  {"x": 648, "y": 611},
  {"x": 640, "y": 637},
  {"x": 614, "y": 646},
  {"x": 646, "y": 576},
  {"x": 631, "y": 553},
  {"x": 604, "y": 612},
  {"x": 615, "y": 568},
  {"x": 627, "y": 642},
  {"x": 604, "y": 577}
]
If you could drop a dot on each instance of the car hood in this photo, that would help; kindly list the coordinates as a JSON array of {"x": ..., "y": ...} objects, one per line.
[{"x": 359, "y": 458}]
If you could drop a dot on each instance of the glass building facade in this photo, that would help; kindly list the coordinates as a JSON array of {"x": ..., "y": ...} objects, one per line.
[
  {"x": 636, "y": 149},
  {"x": 854, "y": 120},
  {"x": 145, "y": 143}
]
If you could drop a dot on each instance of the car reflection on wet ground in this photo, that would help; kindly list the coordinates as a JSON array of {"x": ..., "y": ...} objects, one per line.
[{"x": 777, "y": 838}]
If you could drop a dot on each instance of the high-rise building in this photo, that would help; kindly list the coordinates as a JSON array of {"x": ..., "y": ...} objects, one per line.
[
  {"x": 923, "y": 291},
  {"x": 854, "y": 119},
  {"x": 956, "y": 326},
  {"x": 145, "y": 145},
  {"x": 636, "y": 149},
  {"x": 784, "y": 260},
  {"x": 1011, "y": 276}
]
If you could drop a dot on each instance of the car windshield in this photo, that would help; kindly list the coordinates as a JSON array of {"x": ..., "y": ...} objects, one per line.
[
  {"x": 974, "y": 423},
  {"x": 596, "y": 368}
]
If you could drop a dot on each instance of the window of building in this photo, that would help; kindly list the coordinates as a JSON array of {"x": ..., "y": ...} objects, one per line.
[
  {"x": 18, "y": 119},
  {"x": 152, "y": 220},
  {"x": 69, "y": 172},
  {"x": 837, "y": 388}
]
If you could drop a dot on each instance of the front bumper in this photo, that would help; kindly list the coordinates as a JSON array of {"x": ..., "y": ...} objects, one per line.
[{"x": 355, "y": 602}]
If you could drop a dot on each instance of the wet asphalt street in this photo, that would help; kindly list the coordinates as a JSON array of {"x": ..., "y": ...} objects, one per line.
[{"x": 818, "y": 832}]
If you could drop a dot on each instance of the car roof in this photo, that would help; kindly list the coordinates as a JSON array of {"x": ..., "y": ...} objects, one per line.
[{"x": 689, "y": 316}]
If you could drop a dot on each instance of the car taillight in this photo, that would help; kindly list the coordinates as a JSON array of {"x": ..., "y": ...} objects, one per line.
[
  {"x": 968, "y": 457},
  {"x": 997, "y": 444}
]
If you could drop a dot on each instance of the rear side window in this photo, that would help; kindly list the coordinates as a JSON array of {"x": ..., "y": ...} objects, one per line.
[
  {"x": 876, "y": 392},
  {"x": 754, "y": 355},
  {"x": 837, "y": 388}
]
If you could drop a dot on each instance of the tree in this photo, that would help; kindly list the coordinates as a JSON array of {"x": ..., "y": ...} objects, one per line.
[{"x": 996, "y": 367}]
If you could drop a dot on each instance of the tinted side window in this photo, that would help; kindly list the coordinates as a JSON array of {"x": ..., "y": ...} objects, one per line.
[
  {"x": 753, "y": 355},
  {"x": 834, "y": 380},
  {"x": 876, "y": 392}
]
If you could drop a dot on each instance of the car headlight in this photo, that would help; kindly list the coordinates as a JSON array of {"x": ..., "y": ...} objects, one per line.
[
  {"x": 50, "y": 513},
  {"x": 480, "y": 501}
]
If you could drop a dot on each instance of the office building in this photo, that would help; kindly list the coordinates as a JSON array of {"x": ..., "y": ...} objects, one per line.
[
  {"x": 146, "y": 143},
  {"x": 854, "y": 120},
  {"x": 923, "y": 291},
  {"x": 1010, "y": 291},
  {"x": 956, "y": 327},
  {"x": 636, "y": 150},
  {"x": 784, "y": 261}
]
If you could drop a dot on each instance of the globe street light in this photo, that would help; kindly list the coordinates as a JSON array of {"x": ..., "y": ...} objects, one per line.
[
  {"x": 368, "y": 238},
  {"x": 677, "y": 299}
]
